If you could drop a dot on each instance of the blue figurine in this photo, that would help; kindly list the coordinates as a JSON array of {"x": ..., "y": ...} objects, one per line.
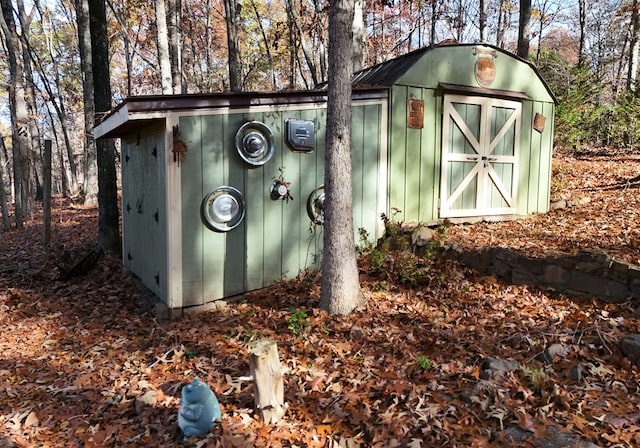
[{"x": 199, "y": 409}]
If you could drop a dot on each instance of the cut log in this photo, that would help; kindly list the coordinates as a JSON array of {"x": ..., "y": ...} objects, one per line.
[
  {"x": 74, "y": 264},
  {"x": 268, "y": 386}
]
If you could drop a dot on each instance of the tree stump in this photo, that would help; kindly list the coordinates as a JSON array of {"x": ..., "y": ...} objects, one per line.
[{"x": 268, "y": 385}]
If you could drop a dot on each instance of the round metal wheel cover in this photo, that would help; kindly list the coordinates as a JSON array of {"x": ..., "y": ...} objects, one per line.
[
  {"x": 315, "y": 205},
  {"x": 254, "y": 143},
  {"x": 223, "y": 209}
]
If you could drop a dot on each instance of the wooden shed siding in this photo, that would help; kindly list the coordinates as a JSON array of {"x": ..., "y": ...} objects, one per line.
[
  {"x": 535, "y": 159},
  {"x": 365, "y": 156},
  {"x": 276, "y": 239},
  {"x": 414, "y": 156},
  {"x": 144, "y": 244},
  {"x": 456, "y": 65},
  {"x": 191, "y": 129}
]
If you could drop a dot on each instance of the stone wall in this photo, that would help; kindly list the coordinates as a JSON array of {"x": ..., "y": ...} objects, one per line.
[{"x": 585, "y": 273}]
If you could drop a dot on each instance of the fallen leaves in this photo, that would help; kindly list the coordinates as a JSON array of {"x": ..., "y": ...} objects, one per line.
[{"x": 84, "y": 363}]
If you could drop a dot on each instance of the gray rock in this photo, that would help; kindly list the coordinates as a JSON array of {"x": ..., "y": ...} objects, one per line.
[
  {"x": 630, "y": 347},
  {"x": 148, "y": 399},
  {"x": 558, "y": 349},
  {"x": 421, "y": 236},
  {"x": 501, "y": 365},
  {"x": 493, "y": 368}
]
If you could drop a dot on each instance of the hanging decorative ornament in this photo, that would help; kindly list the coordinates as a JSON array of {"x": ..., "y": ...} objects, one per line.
[
  {"x": 485, "y": 68},
  {"x": 179, "y": 147}
]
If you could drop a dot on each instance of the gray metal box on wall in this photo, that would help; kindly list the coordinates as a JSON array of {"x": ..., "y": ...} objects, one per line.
[{"x": 221, "y": 199}]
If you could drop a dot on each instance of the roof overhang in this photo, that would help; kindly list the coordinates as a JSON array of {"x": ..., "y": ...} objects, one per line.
[
  {"x": 482, "y": 91},
  {"x": 139, "y": 111}
]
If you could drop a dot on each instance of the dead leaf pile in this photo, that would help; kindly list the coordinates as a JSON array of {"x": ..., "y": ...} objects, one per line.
[{"x": 84, "y": 363}]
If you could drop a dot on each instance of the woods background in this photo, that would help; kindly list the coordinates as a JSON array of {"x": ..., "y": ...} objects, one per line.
[{"x": 586, "y": 50}]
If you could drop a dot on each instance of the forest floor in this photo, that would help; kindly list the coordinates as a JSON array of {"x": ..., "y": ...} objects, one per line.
[{"x": 84, "y": 363}]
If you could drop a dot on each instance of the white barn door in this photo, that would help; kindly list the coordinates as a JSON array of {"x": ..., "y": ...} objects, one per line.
[{"x": 480, "y": 139}]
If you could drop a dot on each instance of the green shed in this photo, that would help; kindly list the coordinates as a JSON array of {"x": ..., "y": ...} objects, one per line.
[
  {"x": 222, "y": 193},
  {"x": 470, "y": 133}
]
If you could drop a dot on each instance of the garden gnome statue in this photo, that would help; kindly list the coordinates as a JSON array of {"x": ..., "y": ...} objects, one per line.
[{"x": 199, "y": 409}]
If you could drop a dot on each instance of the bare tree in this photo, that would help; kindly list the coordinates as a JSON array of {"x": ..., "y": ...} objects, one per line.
[
  {"x": 174, "y": 8},
  {"x": 108, "y": 225},
  {"x": 358, "y": 36},
  {"x": 22, "y": 154},
  {"x": 90, "y": 150},
  {"x": 634, "y": 49},
  {"x": 341, "y": 292},
  {"x": 582, "y": 14},
  {"x": 232, "y": 10},
  {"x": 483, "y": 19},
  {"x": 524, "y": 29},
  {"x": 164, "y": 60}
]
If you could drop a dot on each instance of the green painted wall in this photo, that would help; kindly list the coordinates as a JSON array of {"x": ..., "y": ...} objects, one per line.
[
  {"x": 143, "y": 207},
  {"x": 415, "y": 154},
  {"x": 456, "y": 65},
  {"x": 276, "y": 240}
]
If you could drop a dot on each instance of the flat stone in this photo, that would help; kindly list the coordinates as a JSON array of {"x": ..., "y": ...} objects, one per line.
[
  {"x": 588, "y": 266},
  {"x": 555, "y": 275},
  {"x": 534, "y": 265},
  {"x": 558, "y": 205},
  {"x": 500, "y": 365}
]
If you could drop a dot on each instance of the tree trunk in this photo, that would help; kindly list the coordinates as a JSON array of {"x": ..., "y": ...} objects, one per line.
[
  {"x": 232, "y": 13},
  {"x": 30, "y": 97},
  {"x": 6, "y": 223},
  {"x": 341, "y": 292},
  {"x": 582, "y": 14},
  {"x": 268, "y": 386},
  {"x": 174, "y": 19},
  {"x": 108, "y": 225},
  {"x": 634, "y": 50},
  {"x": 358, "y": 36},
  {"x": 126, "y": 42},
  {"x": 54, "y": 99},
  {"x": 265, "y": 41},
  {"x": 46, "y": 194},
  {"x": 524, "y": 29},
  {"x": 22, "y": 162},
  {"x": 90, "y": 156},
  {"x": 163, "y": 48},
  {"x": 483, "y": 20},
  {"x": 434, "y": 22}
]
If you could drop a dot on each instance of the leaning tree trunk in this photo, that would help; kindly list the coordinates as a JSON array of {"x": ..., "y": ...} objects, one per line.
[
  {"x": 341, "y": 291},
  {"x": 108, "y": 225}
]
